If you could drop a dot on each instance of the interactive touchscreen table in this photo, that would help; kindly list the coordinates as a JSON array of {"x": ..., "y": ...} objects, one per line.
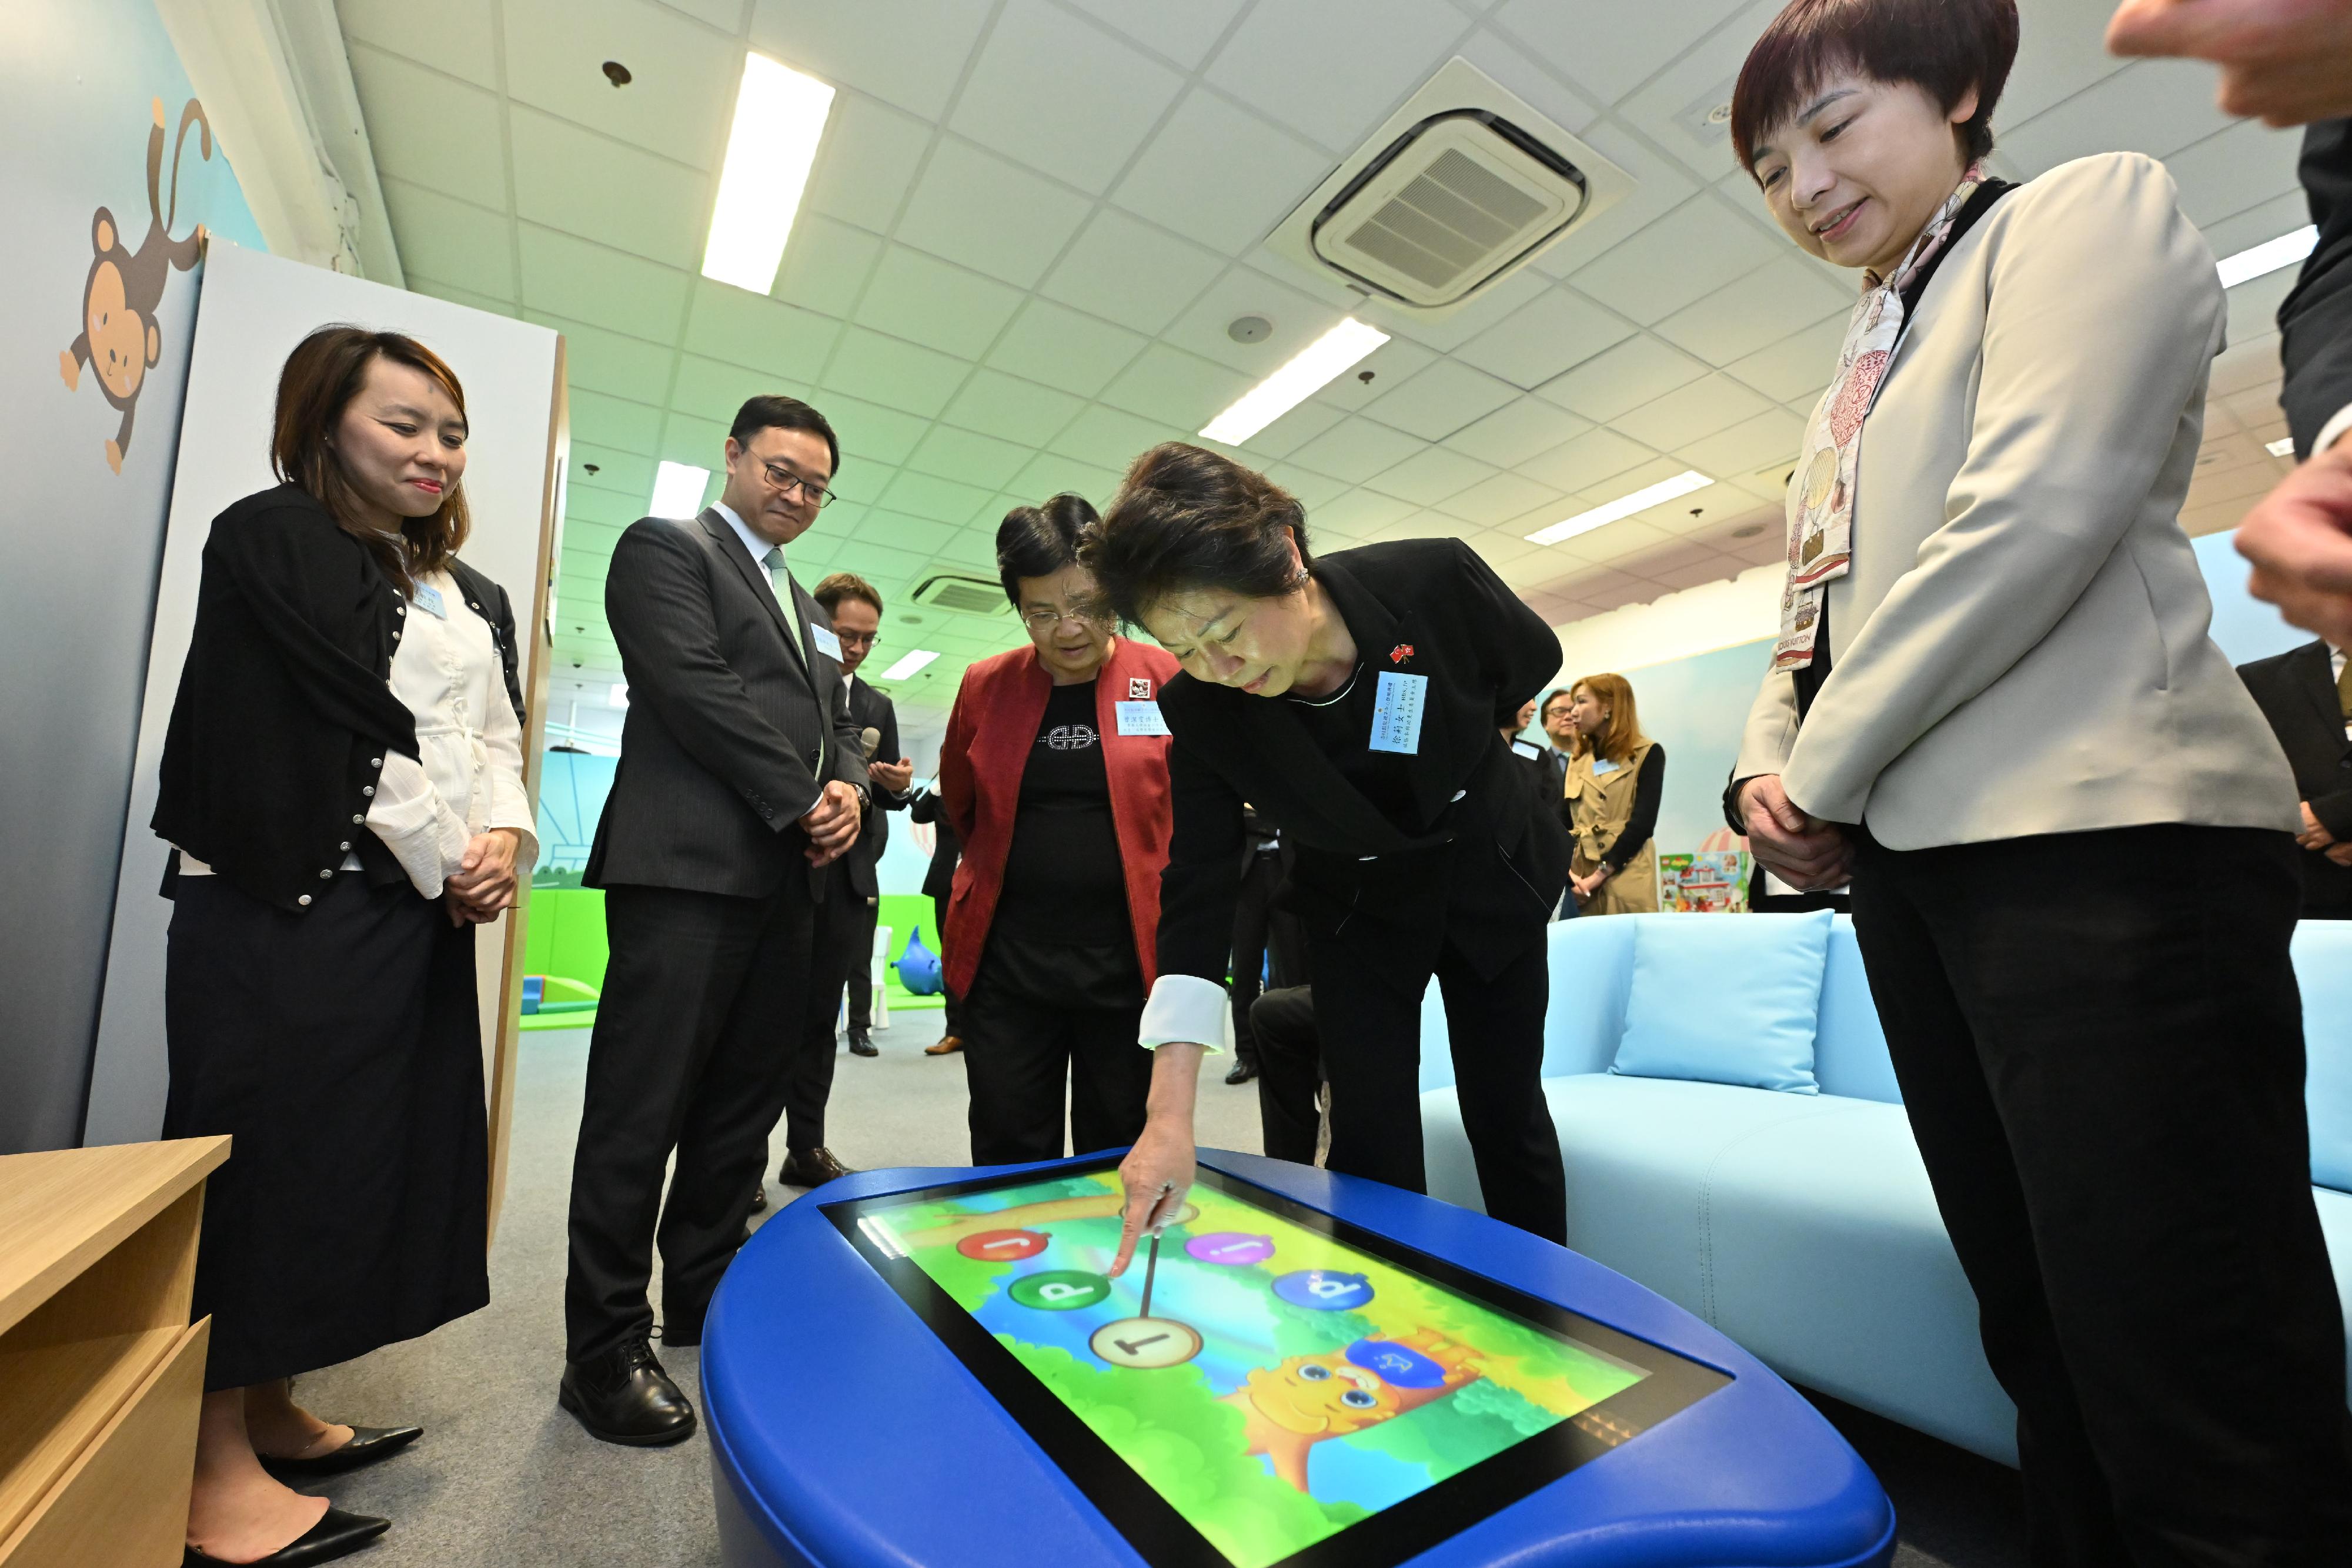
[{"x": 931, "y": 1367}]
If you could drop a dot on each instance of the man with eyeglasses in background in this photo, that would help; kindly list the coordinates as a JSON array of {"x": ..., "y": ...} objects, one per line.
[{"x": 740, "y": 782}]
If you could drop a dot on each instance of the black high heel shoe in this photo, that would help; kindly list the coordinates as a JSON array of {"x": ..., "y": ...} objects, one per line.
[
  {"x": 368, "y": 1445},
  {"x": 337, "y": 1534}
]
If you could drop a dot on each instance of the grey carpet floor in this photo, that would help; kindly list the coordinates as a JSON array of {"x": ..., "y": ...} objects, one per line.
[{"x": 503, "y": 1478}]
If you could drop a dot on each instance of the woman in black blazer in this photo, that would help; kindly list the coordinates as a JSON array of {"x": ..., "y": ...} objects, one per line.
[
  {"x": 1357, "y": 701},
  {"x": 341, "y": 785}
]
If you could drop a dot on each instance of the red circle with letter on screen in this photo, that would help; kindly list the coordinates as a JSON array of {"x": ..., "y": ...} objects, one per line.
[{"x": 1002, "y": 1245}]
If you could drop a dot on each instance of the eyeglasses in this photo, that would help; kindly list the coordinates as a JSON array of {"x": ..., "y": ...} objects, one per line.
[
  {"x": 857, "y": 639},
  {"x": 785, "y": 482},
  {"x": 1041, "y": 622}
]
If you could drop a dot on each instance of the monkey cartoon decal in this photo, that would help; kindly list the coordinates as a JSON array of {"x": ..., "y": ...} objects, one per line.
[
  {"x": 120, "y": 339},
  {"x": 1288, "y": 1409}
]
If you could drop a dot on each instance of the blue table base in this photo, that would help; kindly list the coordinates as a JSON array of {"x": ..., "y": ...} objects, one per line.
[{"x": 845, "y": 1435}]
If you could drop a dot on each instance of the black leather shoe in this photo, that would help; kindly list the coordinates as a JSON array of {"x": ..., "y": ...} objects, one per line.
[
  {"x": 337, "y": 1534},
  {"x": 860, "y": 1045},
  {"x": 1243, "y": 1071},
  {"x": 760, "y": 1197},
  {"x": 811, "y": 1167},
  {"x": 368, "y": 1445},
  {"x": 626, "y": 1397}
]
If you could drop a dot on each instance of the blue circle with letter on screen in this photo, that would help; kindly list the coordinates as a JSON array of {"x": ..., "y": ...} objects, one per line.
[
  {"x": 1324, "y": 1290},
  {"x": 1398, "y": 1366}
]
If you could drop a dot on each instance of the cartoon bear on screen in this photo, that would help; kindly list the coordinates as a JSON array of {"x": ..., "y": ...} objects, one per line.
[
  {"x": 120, "y": 339},
  {"x": 1288, "y": 1409}
]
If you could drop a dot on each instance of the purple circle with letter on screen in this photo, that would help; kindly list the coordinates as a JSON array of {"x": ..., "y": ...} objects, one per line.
[
  {"x": 1233, "y": 1248},
  {"x": 1325, "y": 1290},
  {"x": 1398, "y": 1366}
]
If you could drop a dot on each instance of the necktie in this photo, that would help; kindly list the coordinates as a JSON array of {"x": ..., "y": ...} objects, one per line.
[
  {"x": 2344, "y": 691},
  {"x": 779, "y": 583}
]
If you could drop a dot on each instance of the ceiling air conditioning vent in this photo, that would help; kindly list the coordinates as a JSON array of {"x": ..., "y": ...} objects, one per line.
[
  {"x": 1461, "y": 188},
  {"x": 964, "y": 595}
]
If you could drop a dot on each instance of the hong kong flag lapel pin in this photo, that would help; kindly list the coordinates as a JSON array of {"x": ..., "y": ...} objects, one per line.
[{"x": 1401, "y": 653}]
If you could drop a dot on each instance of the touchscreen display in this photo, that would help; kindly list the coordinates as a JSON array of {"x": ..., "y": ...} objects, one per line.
[{"x": 1288, "y": 1378}]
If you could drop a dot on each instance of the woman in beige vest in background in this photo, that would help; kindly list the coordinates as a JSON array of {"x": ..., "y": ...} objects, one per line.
[{"x": 1614, "y": 783}]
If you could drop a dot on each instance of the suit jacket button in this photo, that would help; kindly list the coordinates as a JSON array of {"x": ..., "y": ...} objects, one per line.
[
  {"x": 375, "y": 762},
  {"x": 304, "y": 901},
  {"x": 346, "y": 848},
  {"x": 328, "y": 874},
  {"x": 400, "y": 609},
  {"x": 357, "y": 820},
  {"x": 367, "y": 788}
]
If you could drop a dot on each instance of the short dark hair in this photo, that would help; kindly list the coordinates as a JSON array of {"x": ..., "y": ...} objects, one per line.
[
  {"x": 1187, "y": 517},
  {"x": 1038, "y": 541},
  {"x": 775, "y": 411},
  {"x": 1943, "y": 46},
  {"x": 843, "y": 585},
  {"x": 1543, "y": 709}
]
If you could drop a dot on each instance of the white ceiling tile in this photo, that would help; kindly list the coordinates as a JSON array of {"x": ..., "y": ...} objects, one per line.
[
  {"x": 700, "y": 442},
  {"x": 753, "y": 330},
  {"x": 871, "y": 558},
  {"x": 1439, "y": 400},
  {"x": 1127, "y": 271},
  {"x": 1493, "y": 305},
  {"x": 453, "y": 36},
  {"x": 1293, "y": 429},
  {"x": 972, "y": 547},
  {"x": 913, "y": 533},
  {"x": 1696, "y": 249},
  {"x": 1593, "y": 458},
  {"x": 1385, "y": 366},
  {"x": 714, "y": 390},
  {"x": 430, "y": 130},
  {"x": 1684, "y": 108},
  {"x": 1064, "y": 349},
  {"x": 1660, "y": 185},
  {"x": 680, "y": 99},
  {"x": 866, "y": 163},
  {"x": 1042, "y": 74},
  {"x": 1184, "y": 33},
  {"x": 624, "y": 473},
  {"x": 2281, "y": 214},
  {"x": 1108, "y": 438},
  {"x": 1687, "y": 414},
  {"x": 457, "y": 296},
  {"x": 1611, "y": 51},
  {"x": 590, "y": 185},
  {"x": 927, "y": 301},
  {"x": 1544, "y": 337},
  {"x": 615, "y": 423},
  {"x": 946, "y": 501},
  {"x": 1356, "y": 449},
  {"x": 2154, "y": 106},
  {"x": 603, "y": 287},
  {"x": 2254, "y": 304},
  {"x": 1309, "y": 489},
  {"x": 1747, "y": 313},
  {"x": 1179, "y": 389},
  {"x": 608, "y": 362},
  {"x": 975, "y": 459},
  {"x": 1219, "y": 175},
  {"x": 827, "y": 264},
  {"x": 1330, "y": 76},
  {"x": 1052, "y": 474},
  {"x": 2238, "y": 168},
  {"x": 1772, "y": 437},
  {"x": 1297, "y": 319},
  {"x": 2062, "y": 49},
  {"x": 1517, "y": 431},
  {"x": 1355, "y": 517},
  {"x": 1011, "y": 409},
  {"x": 873, "y": 435},
  {"x": 894, "y": 374},
  {"x": 980, "y": 211},
  {"x": 1798, "y": 367},
  {"x": 1634, "y": 372},
  {"x": 1522, "y": 73},
  {"x": 727, "y": 15},
  {"x": 454, "y": 241},
  {"x": 1433, "y": 477},
  {"x": 1615, "y": 543},
  {"x": 1497, "y": 497},
  {"x": 907, "y": 52}
]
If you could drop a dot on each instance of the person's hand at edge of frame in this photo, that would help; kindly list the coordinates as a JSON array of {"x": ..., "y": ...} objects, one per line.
[
  {"x": 832, "y": 823},
  {"x": 896, "y": 776},
  {"x": 2287, "y": 62},
  {"x": 2299, "y": 538},
  {"x": 1157, "y": 1171},
  {"x": 1803, "y": 850}
]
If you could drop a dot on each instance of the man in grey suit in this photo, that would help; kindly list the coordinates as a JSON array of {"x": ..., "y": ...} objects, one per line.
[{"x": 740, "y": 782}]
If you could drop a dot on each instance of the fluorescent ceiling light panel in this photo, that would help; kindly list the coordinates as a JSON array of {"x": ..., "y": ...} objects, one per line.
[
  {"x": 2268, "y": 256},
  {"x": 677, "y": 490},
  {"x": 2283, "y": 448},
  {"x": 908, "y": 666},
  {"x": 1664, "y": 490},
  {"x": 779, "y": 118},
  {"x": 1308, "y": 372},
  {"x": 620, "y": 698}
]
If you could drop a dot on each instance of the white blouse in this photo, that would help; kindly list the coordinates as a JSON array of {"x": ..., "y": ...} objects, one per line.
[{"x": 467, "y": 778}]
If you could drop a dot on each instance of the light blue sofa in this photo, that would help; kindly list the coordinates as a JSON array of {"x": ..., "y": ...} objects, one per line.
[{"x": 1801, "y": 1224}]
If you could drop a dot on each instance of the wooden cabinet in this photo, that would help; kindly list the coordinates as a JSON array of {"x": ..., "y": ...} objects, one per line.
[{"x": 100, "y": 1372}]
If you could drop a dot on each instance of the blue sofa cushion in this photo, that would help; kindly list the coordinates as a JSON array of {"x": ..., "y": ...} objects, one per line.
[
  {"x": 1726, "y": 1000},
  {"x": 2323, "y": 970}
]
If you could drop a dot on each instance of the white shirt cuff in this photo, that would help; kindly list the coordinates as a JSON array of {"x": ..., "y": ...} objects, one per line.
[
  {"x": 1186, "y": 1009},
  {"x": 2333, "y": 430}
]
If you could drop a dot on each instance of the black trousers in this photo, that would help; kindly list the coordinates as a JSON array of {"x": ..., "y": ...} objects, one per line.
[
  {"x": 860, "y": 917},
  {"x": 1019, "y": 1052},
  {"x": 2100, "y": 1045},
  {"x": 939, "y": 946},
  {"x": 842, "y": 923},
  {"x": 1260, "y": 933},
  {"x": 704, "y": 1000},
  {"x": 1367, "y": 1011},
  {"x": 340, "y": 1047},
  {"x": 1290, "y": 1073}
]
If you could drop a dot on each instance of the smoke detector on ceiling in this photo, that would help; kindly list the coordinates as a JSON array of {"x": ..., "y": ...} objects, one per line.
[
  {"x": 964, "y": 595},
  {"x": 1462, "y": 187}
]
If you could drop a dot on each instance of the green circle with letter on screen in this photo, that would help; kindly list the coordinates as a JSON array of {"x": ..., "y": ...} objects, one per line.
[{"x": 1059, "y": 1289}]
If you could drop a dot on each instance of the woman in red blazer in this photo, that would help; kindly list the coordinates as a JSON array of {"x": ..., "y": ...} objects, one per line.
[{"x": 1054, "y": 774}]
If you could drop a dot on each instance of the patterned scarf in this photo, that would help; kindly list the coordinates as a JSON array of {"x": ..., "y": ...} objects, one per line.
[{"x": 1820, "y": 505}]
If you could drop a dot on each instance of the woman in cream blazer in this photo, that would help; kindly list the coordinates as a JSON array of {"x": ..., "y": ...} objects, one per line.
[{"x": 1995, "y": 705}]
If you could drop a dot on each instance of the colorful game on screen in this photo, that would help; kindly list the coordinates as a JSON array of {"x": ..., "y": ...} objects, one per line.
[{"x": 1281, "y": 1387}]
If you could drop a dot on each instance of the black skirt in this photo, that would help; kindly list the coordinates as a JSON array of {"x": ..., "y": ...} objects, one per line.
[{"x": 340, "y": 1047}]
